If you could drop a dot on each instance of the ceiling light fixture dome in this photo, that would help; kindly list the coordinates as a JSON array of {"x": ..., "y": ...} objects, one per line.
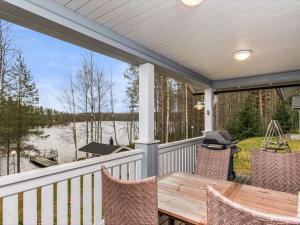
[
  {"x": 242, "y": 54},
  {"x": 192, "y": 3}
]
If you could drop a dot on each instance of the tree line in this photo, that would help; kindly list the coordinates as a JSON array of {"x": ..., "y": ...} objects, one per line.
[
  {"x": 48, "y": 117},
  {"x": 247, "y": 114}
]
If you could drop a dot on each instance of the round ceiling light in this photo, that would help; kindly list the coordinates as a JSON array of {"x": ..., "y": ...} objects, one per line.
[
  {"x": 192, "y": 3},
  {"x": 242, "y": 54}
]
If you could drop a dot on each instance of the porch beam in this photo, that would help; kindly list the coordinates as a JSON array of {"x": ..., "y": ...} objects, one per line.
[
  {"x": 53, "y": 19},
  {"x": 258, "y": 81}
]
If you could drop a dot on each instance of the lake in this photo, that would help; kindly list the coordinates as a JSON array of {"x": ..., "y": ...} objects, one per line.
[{"x": 60, "y": 139}]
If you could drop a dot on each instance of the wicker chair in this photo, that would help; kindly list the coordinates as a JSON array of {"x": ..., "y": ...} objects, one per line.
[
  {"x": 129, "y": 202},
  {"x": 213, "y": 163},
  {"x": 221, "y": 210},
  {"x": 280, "y": 172}
]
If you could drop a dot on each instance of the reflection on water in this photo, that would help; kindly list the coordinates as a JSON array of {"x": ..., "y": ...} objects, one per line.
[{"x": 60, "y": 139}]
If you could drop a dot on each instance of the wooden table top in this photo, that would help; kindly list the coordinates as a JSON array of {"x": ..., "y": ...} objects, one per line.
[{"x": 183, "y": 196}]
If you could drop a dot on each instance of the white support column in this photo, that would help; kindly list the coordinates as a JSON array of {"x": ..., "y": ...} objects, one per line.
[
  {"x": 209, "y": 109},
  {"x": 146, "y": 121},
  {"x": 146, "y": 103}
]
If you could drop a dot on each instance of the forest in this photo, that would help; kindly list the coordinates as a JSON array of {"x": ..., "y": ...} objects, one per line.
[{"x": 89, "y": 97}]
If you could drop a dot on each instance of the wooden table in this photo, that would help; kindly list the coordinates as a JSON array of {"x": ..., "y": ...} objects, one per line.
[{"x": 183, "y": 197}]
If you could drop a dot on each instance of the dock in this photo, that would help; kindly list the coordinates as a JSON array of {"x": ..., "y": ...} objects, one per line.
[{"x": 42, "y": 162}]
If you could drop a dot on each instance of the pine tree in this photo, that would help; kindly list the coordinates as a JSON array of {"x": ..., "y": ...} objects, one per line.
[
  {"x": 132, "y": 92},
  {"x": 7, "y": 124},
  {"x": 247, "y": 122},
  {"x": 25, "y": 94},
  {"x": 283, "y": 116}
]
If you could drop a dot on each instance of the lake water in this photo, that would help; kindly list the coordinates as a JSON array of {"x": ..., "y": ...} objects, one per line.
[{"x": 60, "y": 139}]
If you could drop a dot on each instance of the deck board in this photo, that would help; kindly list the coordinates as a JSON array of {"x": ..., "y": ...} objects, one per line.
[{"x": 242, "y": 179}]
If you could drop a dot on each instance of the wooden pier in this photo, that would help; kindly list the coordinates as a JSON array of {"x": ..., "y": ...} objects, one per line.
[{"x": 43, "y": 162}]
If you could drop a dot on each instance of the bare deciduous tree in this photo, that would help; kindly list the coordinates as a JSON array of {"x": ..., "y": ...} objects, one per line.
[
  {"x": 102, "y": 89},
  {"x": 69, "y": 100},
  {"x": 112, "y": 106},
  {"x": 7, "y": 52}
]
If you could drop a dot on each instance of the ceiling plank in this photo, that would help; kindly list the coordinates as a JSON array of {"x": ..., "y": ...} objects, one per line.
[
  {"x": 118, "y": 12},
  {"x": 75, "y": 4},
  {"x": 106, "y": 8},
  {"x": 139, "y": 9},
  {"x": 91, "y": 6},
  {"x": 58, "y": 21}
]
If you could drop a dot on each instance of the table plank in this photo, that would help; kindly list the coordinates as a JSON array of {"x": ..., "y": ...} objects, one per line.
[{"x": 183, "y": 196}]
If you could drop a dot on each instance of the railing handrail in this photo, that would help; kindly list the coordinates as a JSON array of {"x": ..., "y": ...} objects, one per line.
[
  {"x": 162, "y": 148},
  {"x": 166, "y": 145},
  {"x": 37, "y": 178}
]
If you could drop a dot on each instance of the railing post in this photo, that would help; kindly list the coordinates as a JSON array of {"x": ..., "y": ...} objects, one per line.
[
  {"x": 146, "y": 140},
  {"x": 209, "y": 109}
]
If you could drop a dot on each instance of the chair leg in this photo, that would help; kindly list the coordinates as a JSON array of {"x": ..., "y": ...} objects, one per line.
[{"x": 171, "y": 221}]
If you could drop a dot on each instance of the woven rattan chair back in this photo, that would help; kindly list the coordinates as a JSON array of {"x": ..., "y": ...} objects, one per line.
[
  {"x": 280, "y": 172},
  {"x": 129, "y": 202},
  {"x": 212, "y": 163},
  {"x": 221, "y": 211}
]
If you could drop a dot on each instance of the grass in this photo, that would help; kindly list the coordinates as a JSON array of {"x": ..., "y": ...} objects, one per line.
[{"x": 242, "y": 163}]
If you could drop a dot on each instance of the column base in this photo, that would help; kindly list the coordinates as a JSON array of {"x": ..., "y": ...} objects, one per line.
[{"x": 150, "y": 157}]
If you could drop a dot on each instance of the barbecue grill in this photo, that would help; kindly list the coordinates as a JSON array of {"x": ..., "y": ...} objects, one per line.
[{"x": 221, "y": 140}]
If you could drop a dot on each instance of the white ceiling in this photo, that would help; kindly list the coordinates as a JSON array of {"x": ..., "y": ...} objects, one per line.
[{"x": 203, "y": 38}]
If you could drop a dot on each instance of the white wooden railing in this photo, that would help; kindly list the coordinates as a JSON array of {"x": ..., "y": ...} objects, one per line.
[
  {"x": 66, "y": 191},
  {"x": 71, "y": 193},
  {"x": 178, "y": 156}
]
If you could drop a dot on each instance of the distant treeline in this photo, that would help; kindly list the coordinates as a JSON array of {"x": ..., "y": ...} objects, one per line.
[{"x": 49, "y": 117}]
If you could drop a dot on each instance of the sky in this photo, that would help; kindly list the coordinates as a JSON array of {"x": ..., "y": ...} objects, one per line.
[{"x": 51, "y": 61}]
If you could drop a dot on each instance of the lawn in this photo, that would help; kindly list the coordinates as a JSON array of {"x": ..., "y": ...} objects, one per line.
[{"x": 243, "y": 159}]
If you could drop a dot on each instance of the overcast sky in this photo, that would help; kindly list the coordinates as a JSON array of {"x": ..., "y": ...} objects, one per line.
[{"x": 50, "y": 60}]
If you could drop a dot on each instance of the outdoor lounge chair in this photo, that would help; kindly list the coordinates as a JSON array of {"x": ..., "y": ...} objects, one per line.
[
  {"x": 280, "y": 172},
  {"x": 221, "y": 210},
  {"x": 129, "y": 202},
  {"x": 213, "y": 163}
]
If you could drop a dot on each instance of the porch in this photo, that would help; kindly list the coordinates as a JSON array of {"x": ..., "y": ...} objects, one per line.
[{"x": 147, "y": 35}]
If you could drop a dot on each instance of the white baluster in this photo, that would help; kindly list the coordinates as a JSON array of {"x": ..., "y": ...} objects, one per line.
[
  {"x": 87, "y": 199},
  {"x": 10, "y": 210},
  {"x": 97, "y": 198},
  {"x": 62, "y": 203},
  {"x": 47, "y": 205},
  {"x": 75, "y": 200},
  {"x": 30, "y": 207}
]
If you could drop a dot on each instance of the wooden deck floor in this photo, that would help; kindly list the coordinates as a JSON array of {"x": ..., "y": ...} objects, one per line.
[
  {"x": 164, "y": 221},
  {"x": 242, "y": 179}
]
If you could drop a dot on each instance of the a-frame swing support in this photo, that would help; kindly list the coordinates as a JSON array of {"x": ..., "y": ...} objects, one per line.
[{"x": 274, "y": 139}]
